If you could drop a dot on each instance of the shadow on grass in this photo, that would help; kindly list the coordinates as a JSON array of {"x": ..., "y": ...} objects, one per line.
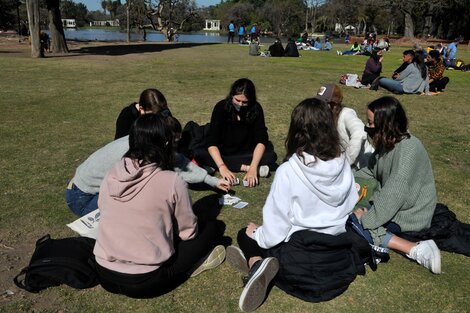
[{"x": 123, "y": 49}]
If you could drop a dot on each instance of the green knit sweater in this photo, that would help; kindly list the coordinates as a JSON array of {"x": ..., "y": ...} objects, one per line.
[{"x": 406, "y": 191}]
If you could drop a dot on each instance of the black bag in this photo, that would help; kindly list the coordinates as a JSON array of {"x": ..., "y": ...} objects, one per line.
[
  {"x": 54, "y": 262},
  {"x": 193, "y": 138}
]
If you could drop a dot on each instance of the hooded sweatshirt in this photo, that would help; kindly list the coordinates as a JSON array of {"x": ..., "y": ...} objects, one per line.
[
  {"x": 307, "y": 194},
  {"x": 142, "y": 208},
  {"x": 90, "y": 173}
]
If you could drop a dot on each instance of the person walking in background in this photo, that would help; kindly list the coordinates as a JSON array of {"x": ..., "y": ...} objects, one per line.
[
  {"x": 241, "y": 34},
  {"x": 231, "y": 32}
]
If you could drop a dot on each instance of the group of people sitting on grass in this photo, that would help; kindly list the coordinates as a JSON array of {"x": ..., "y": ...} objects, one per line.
[
  {"x": 275, "y": 50},
  {"x": 420, "y": 73},
  {"x": 150, "y": 240}
]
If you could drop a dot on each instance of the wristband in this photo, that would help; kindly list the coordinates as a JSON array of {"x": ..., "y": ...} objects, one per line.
[{"x": 220, "y": 165}]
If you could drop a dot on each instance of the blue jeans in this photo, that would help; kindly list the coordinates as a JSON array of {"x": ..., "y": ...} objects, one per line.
[
  {"x": 79, "y": 202},
  {"x": 391, "y": 85}
]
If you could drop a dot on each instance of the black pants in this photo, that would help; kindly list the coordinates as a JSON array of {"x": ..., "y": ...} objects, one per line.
[
  {"x": 188, "y": 255},
  {"x": 439, "y": 85},
  {"x": 235, "y": 161}
]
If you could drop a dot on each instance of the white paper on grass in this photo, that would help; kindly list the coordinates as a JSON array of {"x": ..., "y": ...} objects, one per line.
[
  {"x": 240, "y": 205},
  {"x": 87, "y": 225},
  {"x": 228, "y": 200}
]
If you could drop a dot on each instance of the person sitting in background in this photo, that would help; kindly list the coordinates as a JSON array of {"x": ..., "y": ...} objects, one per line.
[
  {"x": 373, "y": 67},
  {"x": 276, "y": 49},
  {"x": 451, "y": 52},
  {"x": 328, "y": 45},
  {"x": 291, "y": 49},
  {"x": 436, "y": 71},
  {"x": 149, "y": 239},
  {"x": 413, "y": 79},
  {"x": 150, "y": 101},
  {"x": 253, "y": 49},
  {"x": 316, "y": 44},
  {"x": 355, "y": 49}
]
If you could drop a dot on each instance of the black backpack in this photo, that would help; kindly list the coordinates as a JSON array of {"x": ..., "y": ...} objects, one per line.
[{"x": 54, "y": 262}]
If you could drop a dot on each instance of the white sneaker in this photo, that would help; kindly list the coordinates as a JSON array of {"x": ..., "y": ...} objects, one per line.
[
  {"x": 428, "y": 255},
  {"x": 263, "y": 171}
]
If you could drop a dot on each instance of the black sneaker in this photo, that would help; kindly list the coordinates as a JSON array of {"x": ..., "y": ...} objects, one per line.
[{"x": 259, "y": 278}]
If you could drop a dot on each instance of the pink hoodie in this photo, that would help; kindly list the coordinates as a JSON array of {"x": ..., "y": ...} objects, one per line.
[{"x": 140, "y": 209}]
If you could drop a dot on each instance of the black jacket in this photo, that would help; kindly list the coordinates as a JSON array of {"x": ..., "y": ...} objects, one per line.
[{"x": 317, "y": 267}]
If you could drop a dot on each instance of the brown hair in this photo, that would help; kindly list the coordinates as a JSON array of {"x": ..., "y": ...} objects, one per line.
[{"x": 313, "y": 130}]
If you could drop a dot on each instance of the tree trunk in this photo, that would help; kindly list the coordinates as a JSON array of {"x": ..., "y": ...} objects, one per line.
[
  {"x": 409, "y": 25},
  {"x": 128, "y": 23},
  {"x": 32, "y": 7},
  {"x": 58, "y": 43}
]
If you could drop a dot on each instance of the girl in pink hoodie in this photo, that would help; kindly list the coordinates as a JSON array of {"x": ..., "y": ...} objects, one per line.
[{"x": 149, "y": 238}]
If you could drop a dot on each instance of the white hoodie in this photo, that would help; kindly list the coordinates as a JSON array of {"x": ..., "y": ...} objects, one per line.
[{"x": 307, "y": 194}]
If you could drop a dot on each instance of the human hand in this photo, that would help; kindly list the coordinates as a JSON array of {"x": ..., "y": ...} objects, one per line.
[
  {"x": 250, "y": 229},
  {"x": 251, "y": 177},
  {"x": 223, "y": 184},
  {"x": 227, "y": 174},
  {"x": 360, "y": 212},
  {"x": 381, "y": 59}
]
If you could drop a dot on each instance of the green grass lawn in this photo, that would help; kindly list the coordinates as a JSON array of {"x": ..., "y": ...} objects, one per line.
[{"x": 57, "y": 111}]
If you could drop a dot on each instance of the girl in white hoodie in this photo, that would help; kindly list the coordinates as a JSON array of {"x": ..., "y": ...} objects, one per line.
[{"x": 306, "y": 211}]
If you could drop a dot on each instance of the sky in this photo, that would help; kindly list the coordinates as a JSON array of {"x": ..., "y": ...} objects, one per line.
[{"x": 93, "y": 5}]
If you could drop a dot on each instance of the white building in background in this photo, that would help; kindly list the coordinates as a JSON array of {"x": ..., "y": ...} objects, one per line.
[
  {"x": 113, "y": 23},
  {"x": 212, "y": 25},
  {"x": 69, "y": 23}
]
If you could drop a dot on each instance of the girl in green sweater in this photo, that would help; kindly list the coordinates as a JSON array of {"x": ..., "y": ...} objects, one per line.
[{"x": 406, "y": 195}]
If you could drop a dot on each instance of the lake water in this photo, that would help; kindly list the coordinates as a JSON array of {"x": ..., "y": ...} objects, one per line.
[{"x": 111, "y": 35}]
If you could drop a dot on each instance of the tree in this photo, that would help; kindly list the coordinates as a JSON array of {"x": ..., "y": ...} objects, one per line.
[
  {"x": 34, "y": 28},
  {"x": 59, "y": 45},
  {"x": 160, "y": 15},
  {"x": 77, "y": 11}
]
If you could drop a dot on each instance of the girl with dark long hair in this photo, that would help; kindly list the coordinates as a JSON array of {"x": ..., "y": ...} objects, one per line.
[
  {"x": 238, "y": 138},
  {"x": 149, "y": 239}
]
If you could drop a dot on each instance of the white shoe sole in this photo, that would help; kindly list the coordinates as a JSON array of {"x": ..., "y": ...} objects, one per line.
[
  {"x": 214, "y": 259},
  {"x": 255, "y": 290}
]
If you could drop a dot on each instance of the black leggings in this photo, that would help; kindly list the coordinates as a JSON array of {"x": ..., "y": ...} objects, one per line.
[
  {"x": 187, "y": 257},
  {"x": 235, "y": 161},
  {"x": 439, "y": 85}
]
